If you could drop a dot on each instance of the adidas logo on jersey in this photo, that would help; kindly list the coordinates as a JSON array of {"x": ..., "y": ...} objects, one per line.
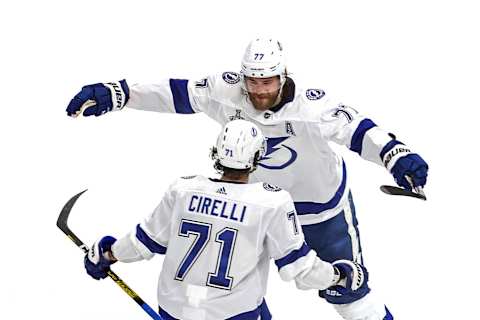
[{"x": 222, "y": 190}]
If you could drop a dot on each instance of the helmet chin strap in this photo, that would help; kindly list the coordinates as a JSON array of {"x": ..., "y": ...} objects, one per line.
[
  {"x": 283, "y": 78},
  {"x": 279, "y": 97}
]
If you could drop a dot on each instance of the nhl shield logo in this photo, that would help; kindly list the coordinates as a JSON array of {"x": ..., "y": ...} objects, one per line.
[
  {"x": 271, "y": 187},
  {"x": 231, "y": 77},
  {"x": 314, "y": 94}
]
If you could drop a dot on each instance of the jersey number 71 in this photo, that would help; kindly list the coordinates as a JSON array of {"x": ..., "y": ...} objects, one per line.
[{"x": 201, "y": 231}]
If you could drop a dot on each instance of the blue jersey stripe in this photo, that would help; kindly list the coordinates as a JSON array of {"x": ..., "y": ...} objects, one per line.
[
  {"x": 261, "y": 310},
  {"x": 151, "y": 244},
  {"x": 357, "y": 138},
  {"x": 316, "y": 207},
  {"x": 292, "y": 256},
  {"x": 181, "y": 100}
]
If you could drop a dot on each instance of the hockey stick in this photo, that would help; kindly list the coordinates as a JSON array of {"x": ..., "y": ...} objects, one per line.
[
  {"x": 63, "y": 225},
  {"x": 397, "y": 191}
]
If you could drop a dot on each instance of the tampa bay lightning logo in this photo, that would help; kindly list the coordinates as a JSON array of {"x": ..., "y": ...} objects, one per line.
[
  {"x": 274, "y": 145},
  {"x": 231, "y": 77},
  {"x": 314, "y": 94}
]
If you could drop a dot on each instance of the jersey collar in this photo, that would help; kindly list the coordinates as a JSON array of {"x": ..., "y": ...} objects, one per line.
[
  {"x": 288, "y": 93},
  {"x": 224, "y": 181}
]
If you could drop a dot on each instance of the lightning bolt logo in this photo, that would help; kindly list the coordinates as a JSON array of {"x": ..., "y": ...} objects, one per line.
[{"x": 272, "y": 144}]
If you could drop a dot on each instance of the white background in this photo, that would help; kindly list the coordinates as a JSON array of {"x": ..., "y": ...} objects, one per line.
[{"x": 413, "y": 66}]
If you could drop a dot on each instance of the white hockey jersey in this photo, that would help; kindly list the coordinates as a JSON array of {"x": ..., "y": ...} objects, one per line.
[
  {"x": 299, "y": 158},
  {"x": 219, "y": 238}
]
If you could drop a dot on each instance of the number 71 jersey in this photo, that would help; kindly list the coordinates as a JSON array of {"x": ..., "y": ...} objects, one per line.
[{"x": 218, "y": 238}]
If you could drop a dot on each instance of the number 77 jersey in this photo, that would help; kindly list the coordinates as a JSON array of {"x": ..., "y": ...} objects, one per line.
[{"x": 218, "y": 238}]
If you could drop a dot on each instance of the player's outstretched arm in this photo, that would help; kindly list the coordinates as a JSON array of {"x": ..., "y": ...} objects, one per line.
[
  {"x": 345, "y": 126},
  {"x": 99, "y": 98},
  {"x": 179, "y": 96},
  {"x": 147, "y": 239},
  {"x": 295, "y": 260},
  {"x": 348, "y": 278}
]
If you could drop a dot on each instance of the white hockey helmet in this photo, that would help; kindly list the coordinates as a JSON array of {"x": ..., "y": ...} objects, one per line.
[
  {"x": 264, "y": 58},
  {"x": 240, "y": 145}
]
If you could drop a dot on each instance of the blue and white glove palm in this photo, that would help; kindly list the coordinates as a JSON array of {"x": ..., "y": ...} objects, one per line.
[
  {"x": 97, "y": 99},
  {"x": 96, "y": 264},
  {"x": 353, "y": 283}
]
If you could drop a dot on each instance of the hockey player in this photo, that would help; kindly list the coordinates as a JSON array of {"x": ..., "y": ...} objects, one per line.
[
  {"x": 219, "y": 235},
  {"x": 299, "y": 125}
]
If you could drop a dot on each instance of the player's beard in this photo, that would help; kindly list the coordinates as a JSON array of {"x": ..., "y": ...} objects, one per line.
[{"x": 263, "y": 101}]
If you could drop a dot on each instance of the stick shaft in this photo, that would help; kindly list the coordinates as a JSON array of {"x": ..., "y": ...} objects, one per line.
[{"x": 62, "y": 224}]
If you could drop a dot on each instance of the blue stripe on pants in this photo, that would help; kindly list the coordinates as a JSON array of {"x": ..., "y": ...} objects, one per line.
[{"x": 330, "y": 239}]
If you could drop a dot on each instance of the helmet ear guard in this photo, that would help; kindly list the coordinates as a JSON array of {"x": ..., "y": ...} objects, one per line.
[
  {"x": 219, "y": 168},
  {"x": 214, "y": 156},
  {"x": 213, "y": 153},
  {"x": 256, "y": 161}
]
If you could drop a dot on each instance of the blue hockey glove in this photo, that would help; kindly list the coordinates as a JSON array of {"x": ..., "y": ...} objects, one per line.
[
  {"x": 413, "y": 166},
  {"x": 97, "y": 99},
  {"x": 352, "y": 284},
  {"x": 96, "y": 263}
]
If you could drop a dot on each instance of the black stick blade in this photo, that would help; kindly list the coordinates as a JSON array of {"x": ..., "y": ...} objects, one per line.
[
  {"x": 62, "y": 221},
  {"x": 396, "y": 191}
]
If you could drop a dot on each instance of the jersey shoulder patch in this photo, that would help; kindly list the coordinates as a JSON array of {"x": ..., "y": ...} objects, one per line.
[
  {"x": 231, "y": 77},
  {"x": 314, "y": 94},
  {"x": 201, "y": 83},
  {"x": 271, "y": 187},
  {"x": 188, "y": 177}
]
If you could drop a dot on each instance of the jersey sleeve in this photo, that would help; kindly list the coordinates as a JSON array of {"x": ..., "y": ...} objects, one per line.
[
  {"x": 180, "y": 96},
  {"x": 150, "y": 236},
  {"x": 294, "y": 259},
  {"x": 346, "y": 126}
]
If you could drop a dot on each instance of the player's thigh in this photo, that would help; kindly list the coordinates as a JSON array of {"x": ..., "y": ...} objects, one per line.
[{"x": 336, "y": 238}]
